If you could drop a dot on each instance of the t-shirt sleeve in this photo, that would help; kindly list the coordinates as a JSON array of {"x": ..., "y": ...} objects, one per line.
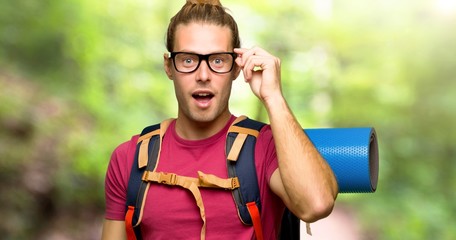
[
  {"x": 116, "y": 180},
  {"x": 267, "y": 148}
]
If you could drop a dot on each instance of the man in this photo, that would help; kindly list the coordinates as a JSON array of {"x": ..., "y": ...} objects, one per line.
[{"x": 204, "y": 58}]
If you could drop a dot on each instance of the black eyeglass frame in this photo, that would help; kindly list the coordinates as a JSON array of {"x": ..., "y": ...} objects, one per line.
[{"x": 202, "y": 57}]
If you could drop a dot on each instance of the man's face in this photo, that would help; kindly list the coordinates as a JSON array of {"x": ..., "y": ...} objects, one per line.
[{"x": 203, "y": 94}]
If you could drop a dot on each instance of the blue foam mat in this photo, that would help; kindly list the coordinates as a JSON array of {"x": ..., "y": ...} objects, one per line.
[{"x": 352, "y": 154}]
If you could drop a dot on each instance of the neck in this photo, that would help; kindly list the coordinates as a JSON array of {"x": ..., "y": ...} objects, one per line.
[{"x": 191, "y": 129}]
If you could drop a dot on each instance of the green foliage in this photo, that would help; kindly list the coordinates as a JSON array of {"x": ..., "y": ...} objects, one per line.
[{"x": 78, "y": 77}]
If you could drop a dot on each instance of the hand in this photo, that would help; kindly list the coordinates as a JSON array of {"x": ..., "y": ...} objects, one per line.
[{"x": 261, "y": 70}]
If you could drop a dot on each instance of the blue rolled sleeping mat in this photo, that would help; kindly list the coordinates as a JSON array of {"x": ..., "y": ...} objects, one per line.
[{"x": 352, "y": 154}]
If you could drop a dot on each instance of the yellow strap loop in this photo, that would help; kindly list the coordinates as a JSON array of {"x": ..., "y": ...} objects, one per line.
[
  {"x": 240, "y": 138},
  {"x": 236, "y": 147},
  {"x": 212, "y": 181},
  {"x": 143, "y": 156}
]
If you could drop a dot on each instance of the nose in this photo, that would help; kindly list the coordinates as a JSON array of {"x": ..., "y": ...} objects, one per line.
[{"x": 203, "y": 71}]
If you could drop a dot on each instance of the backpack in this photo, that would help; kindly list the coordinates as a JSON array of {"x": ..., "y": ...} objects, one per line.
[{"x": 242, "y": 179}]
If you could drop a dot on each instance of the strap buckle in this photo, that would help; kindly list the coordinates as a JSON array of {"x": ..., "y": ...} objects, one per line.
[
  {"x": 167, "y": 178},
  {"x": 235, "y": 183}
]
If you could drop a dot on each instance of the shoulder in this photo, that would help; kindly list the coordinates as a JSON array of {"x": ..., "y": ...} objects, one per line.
[
  {"x": 116, "y": 180},
  {"x": 265, "y": 137},
  {"x": 122, "y": 157},
  {"x": 126, "y": 147}
]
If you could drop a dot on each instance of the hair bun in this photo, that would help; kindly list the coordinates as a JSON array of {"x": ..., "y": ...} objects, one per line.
[{"x": 211, "y": 2}]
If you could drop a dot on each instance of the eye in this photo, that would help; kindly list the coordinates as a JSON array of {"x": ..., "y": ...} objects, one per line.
[
  {"x": 219, "y": 59},
  {"x": 187, "y": 59}
]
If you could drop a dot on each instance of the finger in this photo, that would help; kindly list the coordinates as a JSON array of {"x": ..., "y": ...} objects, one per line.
[
  {"x": 260, "y": 51},
  {"x": 254, "y": 64},
  {"x": 244, "y": 54},
  {"x": 257, "y": 63},
  {"x": 252, "y": 60},
  {"x": 240, "y": 50},
  {"x": 254, "y": 53},
  {"x": 240, "y": 54},
  {"x": 238, "y": 61}
]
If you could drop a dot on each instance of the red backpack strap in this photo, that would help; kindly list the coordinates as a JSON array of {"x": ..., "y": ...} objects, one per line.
[
  {"x": 147, "y": 156},
  {"x": 256, "y": 219}
]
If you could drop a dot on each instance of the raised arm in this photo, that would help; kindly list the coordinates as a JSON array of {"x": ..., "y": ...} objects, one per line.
[{"x": 304, "y": 181}]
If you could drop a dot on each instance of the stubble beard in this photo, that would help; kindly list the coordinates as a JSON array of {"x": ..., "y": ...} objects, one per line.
[{"x": 205, "y": 115}]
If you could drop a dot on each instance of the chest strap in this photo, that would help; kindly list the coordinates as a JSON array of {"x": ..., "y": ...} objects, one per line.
[{"x": 193, "y": 184}]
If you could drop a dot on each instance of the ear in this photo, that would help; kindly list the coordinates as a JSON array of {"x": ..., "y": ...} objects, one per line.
[
  {"x": 167, "y": 66},
  {"x": 236, "y": 72}
]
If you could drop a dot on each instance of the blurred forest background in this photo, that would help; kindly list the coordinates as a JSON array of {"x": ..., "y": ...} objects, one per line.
[{"x": 77, "y": 77}]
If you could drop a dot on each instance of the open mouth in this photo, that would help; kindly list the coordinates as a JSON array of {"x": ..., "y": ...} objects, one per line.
[{"x": 204, "y": 97}]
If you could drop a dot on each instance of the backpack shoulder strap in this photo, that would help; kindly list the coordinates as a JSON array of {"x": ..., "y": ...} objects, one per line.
[
  {"x": 240, "y": 151},
  {"x": 240, "y": 148},
  {"x": 146, "y": 158}
]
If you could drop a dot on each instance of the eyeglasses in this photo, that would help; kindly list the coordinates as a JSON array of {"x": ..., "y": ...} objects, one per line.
[{"x": 189, "y": 62}]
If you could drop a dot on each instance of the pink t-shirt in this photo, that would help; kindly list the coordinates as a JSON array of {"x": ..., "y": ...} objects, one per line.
[{"x": 171, "y": 212}]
